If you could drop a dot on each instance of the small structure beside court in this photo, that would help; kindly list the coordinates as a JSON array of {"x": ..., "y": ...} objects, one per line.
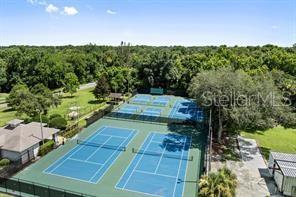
[
  {"x": 20, "y": 142},
  {"x": 282, "y": 167},
  {"x": 115, "y": 98}
]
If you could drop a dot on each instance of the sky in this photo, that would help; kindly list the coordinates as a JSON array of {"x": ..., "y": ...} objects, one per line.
[{"x": 148, "y": 22}]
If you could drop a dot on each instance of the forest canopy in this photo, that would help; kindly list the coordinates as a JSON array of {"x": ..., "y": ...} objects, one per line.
[{"x": 129, "y": 67}]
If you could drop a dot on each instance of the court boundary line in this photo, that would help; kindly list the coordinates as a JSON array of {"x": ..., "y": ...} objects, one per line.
[
  {"x": 155, "y": 171},
  {"x": 158, "y": 174},
  {"x": 66, "y": 177},
  {"x": 185, "y": 177},
  {"x": 99, "y": 148},
  {"x": 180, "y": 164},
  {"x": 138, "y": 192},
  {"x": 135, "y": 132},
  {"x": 129, "y": 164},
  {"x": 138, "y": 161},
  {"x": 100, "y": 129},
  {"x": 91, "y": 162},
  {"x": 134, "y": 169},
  {"x": 68, "y": 156},
  {"x": 132, "y": 132}
]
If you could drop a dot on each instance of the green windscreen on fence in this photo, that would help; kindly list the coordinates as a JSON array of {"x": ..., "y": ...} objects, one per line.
[{"x": 159, "y": 91}]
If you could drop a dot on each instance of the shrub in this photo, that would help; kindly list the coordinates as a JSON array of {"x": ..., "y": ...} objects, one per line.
[
  {"x": 37, "y": 119},
  {"x": 46, "y": 147},
  {"x": 4, "y": 162},
  {"x": 58, "y": 122},
  {"x": 54, "y": 116},
  {"x": 222, "y": 183}
]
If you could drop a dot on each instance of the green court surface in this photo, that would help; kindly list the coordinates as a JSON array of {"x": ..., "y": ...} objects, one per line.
[{"x": 106, "y": 185}]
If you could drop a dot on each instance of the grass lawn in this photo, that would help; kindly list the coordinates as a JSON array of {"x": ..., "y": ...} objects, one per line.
[
  {"x": 275, "y": 139},
  {"x": 83, "y": 98}
]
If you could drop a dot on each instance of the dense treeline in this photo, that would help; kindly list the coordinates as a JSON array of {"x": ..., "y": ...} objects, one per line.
[
  {"x": 27, "y": 71},
  {"x": 128, "y": 67}
]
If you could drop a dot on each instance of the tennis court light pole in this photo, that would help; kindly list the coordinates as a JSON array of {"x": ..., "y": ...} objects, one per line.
[{"x": 41, "y": 126}]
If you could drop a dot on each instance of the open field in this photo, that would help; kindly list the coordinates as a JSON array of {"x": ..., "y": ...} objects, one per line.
[
  {"x": 83, "y": 98},
  {"x": 276, "y": 139}
]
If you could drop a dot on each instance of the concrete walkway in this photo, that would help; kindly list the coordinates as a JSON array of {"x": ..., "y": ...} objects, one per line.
[
  {"x": 251, "y": 171},
  {"x": 253, "y": 176}
]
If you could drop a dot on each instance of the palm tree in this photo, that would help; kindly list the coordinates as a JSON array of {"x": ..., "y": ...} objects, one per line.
[{"x": 219, "y": 184}]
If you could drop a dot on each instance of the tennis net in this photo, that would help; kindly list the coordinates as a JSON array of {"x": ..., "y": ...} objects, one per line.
[
  {"x": 172, "y": 156},
  {"x": 87, "y": 143}
]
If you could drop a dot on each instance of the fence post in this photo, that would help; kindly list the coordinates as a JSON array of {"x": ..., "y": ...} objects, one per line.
[{"x": 34, "y": 193}]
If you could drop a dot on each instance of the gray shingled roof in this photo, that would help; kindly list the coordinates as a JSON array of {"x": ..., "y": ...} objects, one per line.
[
  {"x": 286, "y": 162},
  {"x": 23, "y": 136}
]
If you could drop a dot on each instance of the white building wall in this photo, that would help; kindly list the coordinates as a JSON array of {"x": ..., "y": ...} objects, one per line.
[
  {"x": 11, "y": 155},
  {"x": 278, "y": 177},
  {"x": 289, "y": 182}
]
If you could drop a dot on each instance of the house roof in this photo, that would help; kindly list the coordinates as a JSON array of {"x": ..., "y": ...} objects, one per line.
[
  {"x": 23, "y": 136},
  {"x": 115, "y": 95},
  {"x": 286, "y": 162}
]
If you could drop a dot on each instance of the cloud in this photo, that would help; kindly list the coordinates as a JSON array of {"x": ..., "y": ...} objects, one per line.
[
  {"x": 51, "y": 8},
  {"x": 275, "y": 27},
  {"x": 70, "y": 11},
  {"x": 40, "y": 2},
  {"x": 111, "y": 12}
]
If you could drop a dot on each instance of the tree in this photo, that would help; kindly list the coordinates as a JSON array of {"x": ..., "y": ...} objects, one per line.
[
  {"x": 33, "y": 102},
  {"x": 221, "y": 184},
  {"x": 71, "y": 83},
  {"x": 239, "y": 100},
  {"x": 3, "y": 79},
  {"x": 45, "y": 97},
  {"x": 22, "y": 100},
  {"x": 102, "y": 88}
]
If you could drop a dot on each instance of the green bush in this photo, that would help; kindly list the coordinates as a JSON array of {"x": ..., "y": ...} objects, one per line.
[
  {"x": 58, "y": 122},
  {"x": 46, "y": 147},
  {"x": 222, "y": 183},
  {"x": 37, "y": 119},
  {"x": 54, "y": 116},
  {"x": 4, "y": 162}
]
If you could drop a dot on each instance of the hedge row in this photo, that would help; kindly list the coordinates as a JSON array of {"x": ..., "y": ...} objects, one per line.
[
  {"x": 46, "y": 147},
  {"x": 4, "y": 162}
]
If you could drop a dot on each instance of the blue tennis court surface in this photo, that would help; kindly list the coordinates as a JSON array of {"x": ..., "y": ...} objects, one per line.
[
  {"x": 89, "y": 162},
  {"x": 142, "y": 99},
  {"x": 186, "y": 110},
  {"x": 159, "y": 167},
  {"x": 127, "y": 111},
  {"x": 161, "y": 100},
  {"x": 150, "y": 114}
]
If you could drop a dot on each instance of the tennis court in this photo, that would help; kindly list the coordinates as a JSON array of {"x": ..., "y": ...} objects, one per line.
[
  {"x": 186, "y": 109},
  {"x": 91, "y": 158},
  {"x": 120, "y": 156},
  {"x": 142, "y": 99},
  {"x": 159, "y": 166},
  {"x": 161, "y": 101}
]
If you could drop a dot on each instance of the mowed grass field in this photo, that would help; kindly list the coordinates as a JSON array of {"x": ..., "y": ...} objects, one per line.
[
  {"x": 83, "y": 98},
  {"x": 278, "y": 139}
]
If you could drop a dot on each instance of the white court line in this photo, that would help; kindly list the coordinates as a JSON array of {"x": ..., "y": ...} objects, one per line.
[
  {"x": 133, "y": 131},
  {"x": 138, "y": 162},
  {"x": 175, "y": 185},
  {"x": 160, "y": 159},
  {"x": 145, "y": 172},
  {"x": 68, "y": 156},
  {"x": 130, "y": 164},
  {"x": 138, "y": 192},
  {"x": 85, "y": 161},
  {"x": 99, "y": 148},
  {"x": 187, "y": 163},
  {"x": 112, "y": 136},
  {"x": 68, "y": 177}
]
